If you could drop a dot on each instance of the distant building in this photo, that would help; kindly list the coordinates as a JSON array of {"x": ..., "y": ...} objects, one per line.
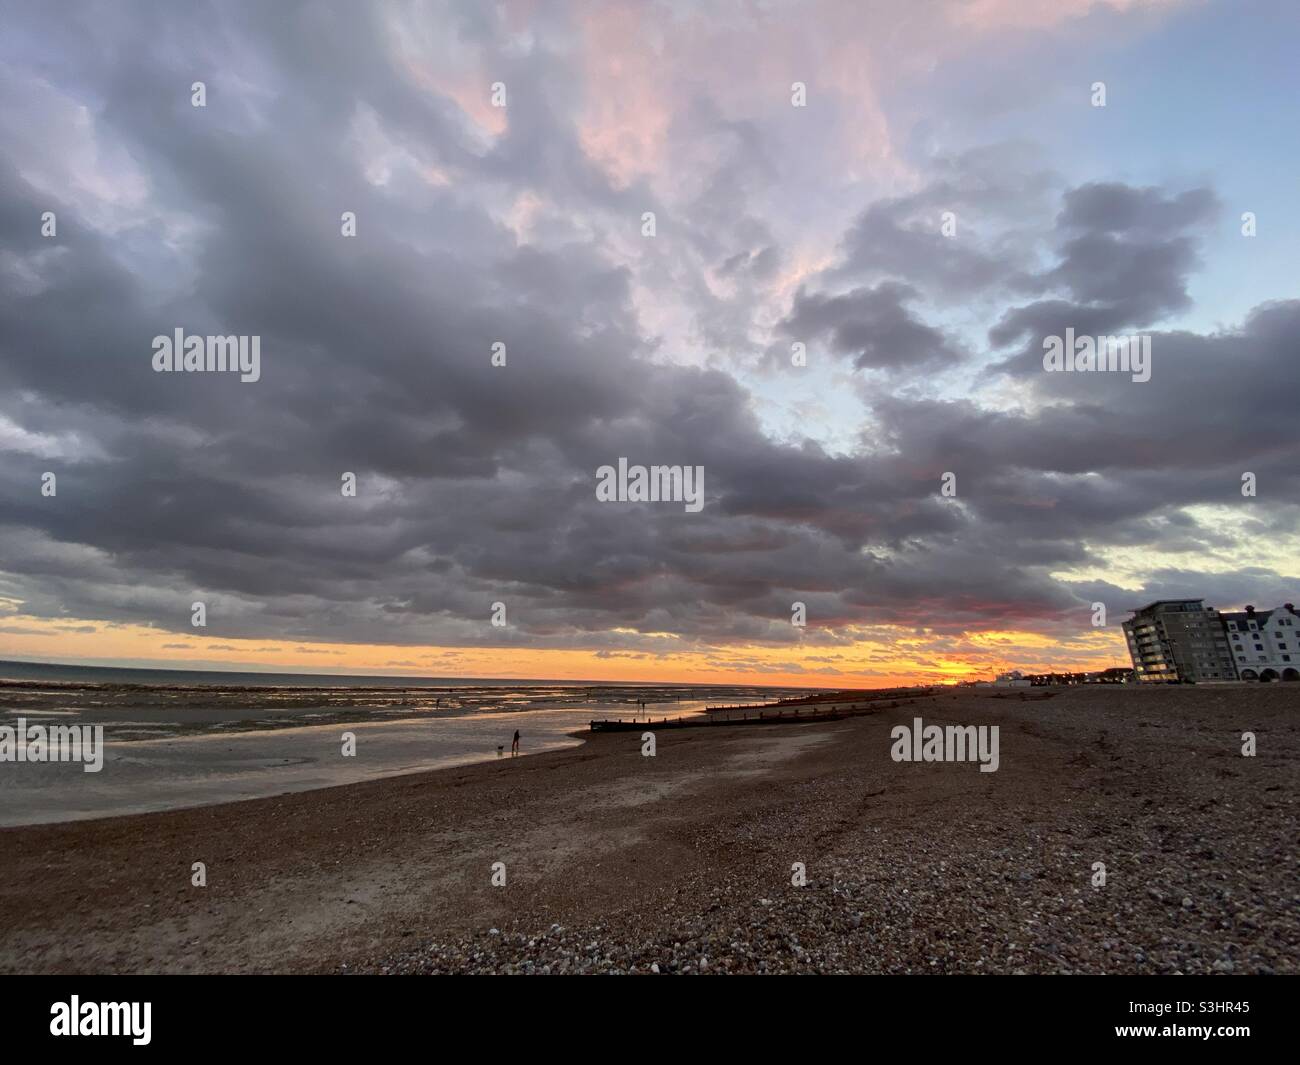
[
  {"x": 1014, "y": 679},
  {"x": 1114, "y": 675},
  {"x": 1265, "y": 643},
  {"x": 1173, "y": 640}
]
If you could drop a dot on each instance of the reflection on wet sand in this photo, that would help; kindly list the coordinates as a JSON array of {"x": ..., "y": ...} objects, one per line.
[{"x": 171, "y": 746}]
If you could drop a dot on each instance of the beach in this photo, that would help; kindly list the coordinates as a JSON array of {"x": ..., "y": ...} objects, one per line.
[
  {"x": 683, "y": 862},
  {"x": 168, "y": 745}
]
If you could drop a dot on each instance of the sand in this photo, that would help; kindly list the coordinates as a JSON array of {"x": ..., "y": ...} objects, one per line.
[
  {"x": 616, "y": 862},
  {"x": 141, "y": 776}
]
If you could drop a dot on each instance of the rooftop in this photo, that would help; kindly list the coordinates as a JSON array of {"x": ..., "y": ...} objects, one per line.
[{"x": 1183, "y": 603}]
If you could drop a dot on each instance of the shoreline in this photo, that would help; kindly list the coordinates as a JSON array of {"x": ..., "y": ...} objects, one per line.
[
  {"x": 617, "y": 862},
  {"x": 142, "y": 776}
]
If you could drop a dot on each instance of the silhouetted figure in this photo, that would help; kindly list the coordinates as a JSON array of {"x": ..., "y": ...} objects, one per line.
[{"x": 514, "y": 744}]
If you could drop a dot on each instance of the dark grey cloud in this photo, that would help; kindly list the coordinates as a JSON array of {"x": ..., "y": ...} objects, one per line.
[
  {"x": 873, "y": 325},
  {"x": 995, "y": 201},
  {"x": 1124, "y": 259}
]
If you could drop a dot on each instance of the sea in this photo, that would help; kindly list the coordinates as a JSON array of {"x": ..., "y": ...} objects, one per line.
[
  {"x": 154, "y": 703},
  {"x": 180, "y": 738}
]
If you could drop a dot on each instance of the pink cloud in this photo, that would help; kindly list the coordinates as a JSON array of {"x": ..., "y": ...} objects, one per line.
[{"x": 1039, "y": 14}]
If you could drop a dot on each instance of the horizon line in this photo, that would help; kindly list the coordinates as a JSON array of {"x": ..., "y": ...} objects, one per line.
[{"x": 401, "y": 676}]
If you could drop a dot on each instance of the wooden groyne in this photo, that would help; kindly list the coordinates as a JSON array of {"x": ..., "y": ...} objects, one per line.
[
  {"x": 745, "y": 715},
  {"x": 860, "y": 700}
]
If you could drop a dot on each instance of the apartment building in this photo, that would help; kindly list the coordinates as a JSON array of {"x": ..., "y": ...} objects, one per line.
[
  {"x": 1179, "y": 640},
  {"x": 1265, "y": 643}
]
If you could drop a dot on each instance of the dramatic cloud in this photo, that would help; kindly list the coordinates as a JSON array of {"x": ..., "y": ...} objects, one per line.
[
  {"x": 523, "y": 226},
  {"x": 872, "y": 325}
]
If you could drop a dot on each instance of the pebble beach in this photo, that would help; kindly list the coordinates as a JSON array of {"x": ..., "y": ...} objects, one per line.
[{"x": 789, "y": 848}]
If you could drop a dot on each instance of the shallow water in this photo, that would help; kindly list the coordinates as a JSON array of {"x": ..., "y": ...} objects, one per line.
[
  {"x": 135, "y": 710},
  {"x": 163, "y": 774},
  {"x": 170, "y": 745}
]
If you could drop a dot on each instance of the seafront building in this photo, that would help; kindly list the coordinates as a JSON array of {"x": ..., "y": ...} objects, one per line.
[
  {"x": 1178, "y": 640},
  {"x": 1016, "y": 679},
  {"x": 1066, "y": 678},
  {"x": 1265, "y": 643},
  {"x": 1184, "y": 641}
]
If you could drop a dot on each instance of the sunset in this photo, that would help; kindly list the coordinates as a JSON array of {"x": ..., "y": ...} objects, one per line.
[
  {"x": 759, "y": 486},
  {"x": 884, "y": 656},
  {"x": 469, "y": 309}
]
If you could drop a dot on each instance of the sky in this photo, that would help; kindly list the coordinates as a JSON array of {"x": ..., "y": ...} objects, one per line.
[{"x": 813, "y": 249}]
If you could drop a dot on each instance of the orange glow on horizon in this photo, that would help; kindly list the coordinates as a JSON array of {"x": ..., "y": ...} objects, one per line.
[{"x": 898, "y": 658}]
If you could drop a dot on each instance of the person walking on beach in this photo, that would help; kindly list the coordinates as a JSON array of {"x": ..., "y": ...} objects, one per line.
[{"x": 514, "y": 744}]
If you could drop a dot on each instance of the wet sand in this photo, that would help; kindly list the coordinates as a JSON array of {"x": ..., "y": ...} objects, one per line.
[
  {"x": 148, "y": 775},
  {"x": 682, "y": 862}
]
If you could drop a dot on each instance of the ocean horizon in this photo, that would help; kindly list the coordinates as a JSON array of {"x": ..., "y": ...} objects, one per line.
[{"x": 62, "y": 672}]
